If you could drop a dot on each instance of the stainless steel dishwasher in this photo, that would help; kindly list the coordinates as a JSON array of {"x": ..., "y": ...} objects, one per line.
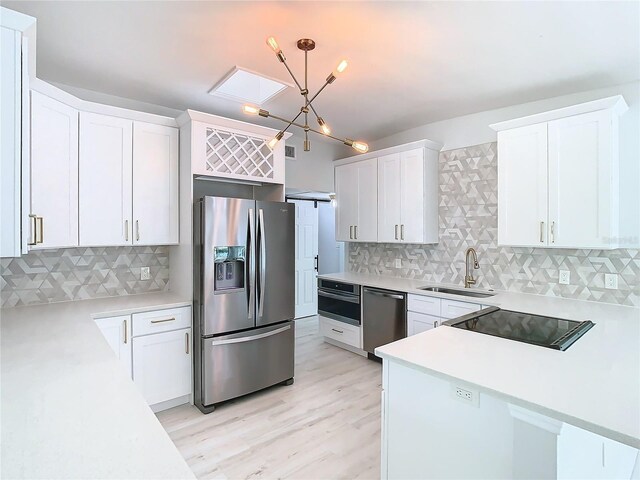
[{"x": 384, "y": 317}]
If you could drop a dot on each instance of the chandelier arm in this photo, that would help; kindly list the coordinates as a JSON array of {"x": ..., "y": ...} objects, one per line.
[
  {"x": 303, "y": 127},
  {"x": 317, "y": 93},
  {"x": 292, "y": 75}
]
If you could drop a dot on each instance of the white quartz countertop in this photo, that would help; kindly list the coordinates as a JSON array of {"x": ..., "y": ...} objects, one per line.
[
  {"x": 595, "y": 384},
  {"x": 68, "y": 409}
]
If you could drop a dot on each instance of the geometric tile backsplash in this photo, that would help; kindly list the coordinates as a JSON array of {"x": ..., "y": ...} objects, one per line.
[
  {"x": 46, "y": 276},
  {"x": 468, "y": 218}
]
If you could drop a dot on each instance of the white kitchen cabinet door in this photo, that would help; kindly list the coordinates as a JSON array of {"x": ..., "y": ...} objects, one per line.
[
  {"x": 105, "y": 182},
  {"x": 117, "y": 332},
  {"x": 14, "y": 150},
  {"x": 389, "y": 198},
  {"x": 366, "y": 227},
  {"x": 419, "y": 322},
  {"x": 54, "y": 172},
  {"x": 155, "y": 184},
  {"x": 522, "y": 186},
  {"x": 346, "y": 201},
  {"x": 162, "y": 365},
  {"x": 583, "y": 182},
  {"x": 412, "y": 199}
]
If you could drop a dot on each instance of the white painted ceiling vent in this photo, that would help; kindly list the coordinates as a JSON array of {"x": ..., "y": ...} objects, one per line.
[
  {"x": 246, "y": 86},
  {"x": 290, "y": 152}
]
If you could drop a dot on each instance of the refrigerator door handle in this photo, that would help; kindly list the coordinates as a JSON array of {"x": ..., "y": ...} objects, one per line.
[
  {"x": 262, "y": 260},
  {"x": 251, "y": 264},
  {"x": 216, "y": 343}
]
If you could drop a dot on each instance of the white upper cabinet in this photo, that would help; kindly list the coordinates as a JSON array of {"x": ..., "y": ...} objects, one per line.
[
  {"x": 234, "y": 150},
  {"x": 408, "y": 197},
  {"x": 155, "y": 184},
  {"x": 105, "y": 199},
  {"x": 54, "y": 173},
  {"x": 15, "y": 31},
  {"x": 522, "y": 186},
  {"x": 357, "y": 200},
  {"x": 389, "y": 196},
  {"x": 558, "y": 177},
  {"x": 583, "y": 181}
]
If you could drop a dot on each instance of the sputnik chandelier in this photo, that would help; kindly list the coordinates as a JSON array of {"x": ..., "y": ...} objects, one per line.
[{"x": 306, "y": 45}]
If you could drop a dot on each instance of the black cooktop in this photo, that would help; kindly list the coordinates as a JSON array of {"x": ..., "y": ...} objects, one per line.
[{"x": 550, "y": 332}]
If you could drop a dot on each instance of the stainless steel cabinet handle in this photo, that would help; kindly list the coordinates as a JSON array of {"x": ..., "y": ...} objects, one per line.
[
  {"x": 164, "y": 320},
  {"x": 402, "y": 232},
  {"x": 553, "y": 237},
  {"x": 355, "y": 232},
  {"x": 126, "y": 230},
  {"x": 350, "y": 232},
  {"x": 396, "y": 232},
  {"x": 541, "y": 232},
  {"x": 435, "y": 324},
  {"x": 186, "y": 343},
  {"x": 124, "y": 327},
  {"x": 338, "y": 331},
  {"x": 137, "y": 231},
  {"x": 250, "y": 338},
  {"x": 32, "y": 220},
  {"x": 40, "y": 238}
]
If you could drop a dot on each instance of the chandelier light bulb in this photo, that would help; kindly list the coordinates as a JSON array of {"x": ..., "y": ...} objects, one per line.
[
  {"x": 342, "y": 66},
  {"x": 360, "y": 147},
  {"x": 274, "y": 141},
  {"x": 250, "y": 110},
  {"x": 273, "y": 44},
  {"x": 325, "y": 128}
]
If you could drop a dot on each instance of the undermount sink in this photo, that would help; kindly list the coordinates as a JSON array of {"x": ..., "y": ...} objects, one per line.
[{"x": 455, "y": 291}]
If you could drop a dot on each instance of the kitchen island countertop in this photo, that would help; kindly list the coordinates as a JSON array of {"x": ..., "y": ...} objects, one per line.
[{"x": 594, "y": 385}]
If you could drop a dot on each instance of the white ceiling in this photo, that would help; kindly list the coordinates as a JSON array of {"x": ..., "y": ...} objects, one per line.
[{"x": 410, "y": 63}]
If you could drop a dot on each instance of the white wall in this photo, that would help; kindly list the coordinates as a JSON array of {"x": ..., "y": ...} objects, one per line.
[
  {"x": 313, "y": 170},
  {"x": 474, "y": 129}
]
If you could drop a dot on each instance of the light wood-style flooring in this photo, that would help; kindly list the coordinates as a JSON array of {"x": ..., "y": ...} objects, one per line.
[{"x": 324, "y": 426}]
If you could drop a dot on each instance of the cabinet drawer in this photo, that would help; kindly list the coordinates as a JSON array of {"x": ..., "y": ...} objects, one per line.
[
  {"x": 419, "y": 322},
  {"x": 424, "y": 304},
  {"x": 161, "y": 321},
  {"x": 340, "y": 331},
  {"x": 454, "y": 309}
]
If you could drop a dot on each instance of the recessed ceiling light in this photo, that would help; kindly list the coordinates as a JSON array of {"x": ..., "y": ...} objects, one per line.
[{"x": 244, "y": 85}]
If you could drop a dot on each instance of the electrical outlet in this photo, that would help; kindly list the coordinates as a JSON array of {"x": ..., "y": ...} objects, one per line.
[
  {"x": 144, "y": 273},
  {"x": 398, "y": 263},
  {"x": 565, "y": 277},
  {"x": 611, "y": 281},
  {"x": 466, "y": 395}
]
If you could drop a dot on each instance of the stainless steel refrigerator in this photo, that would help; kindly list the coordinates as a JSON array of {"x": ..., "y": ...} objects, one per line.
[{"x": 244, "y": 297}]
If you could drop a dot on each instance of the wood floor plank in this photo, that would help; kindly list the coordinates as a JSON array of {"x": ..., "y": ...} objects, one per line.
[{"x": 324, "y": 426}]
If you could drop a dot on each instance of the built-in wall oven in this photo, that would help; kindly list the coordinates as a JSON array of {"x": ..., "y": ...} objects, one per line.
[{"x": 339, "y": 301}]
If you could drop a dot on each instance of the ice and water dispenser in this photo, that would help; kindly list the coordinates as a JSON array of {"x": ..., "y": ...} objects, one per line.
[{"x": 229, "y": 268}]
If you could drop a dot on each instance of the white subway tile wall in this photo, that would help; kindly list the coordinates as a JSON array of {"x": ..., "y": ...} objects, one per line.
[
  {"x": 47, "y": 276},
  {"x": 468, "y": 218}
]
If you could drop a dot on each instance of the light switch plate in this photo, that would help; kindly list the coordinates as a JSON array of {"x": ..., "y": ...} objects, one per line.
[
  {"x": 565, "y": 277},
  {"x": 398, "y": 263},
  {"x": 144, "y": 273},
  {"x": 611, "y": 281}
]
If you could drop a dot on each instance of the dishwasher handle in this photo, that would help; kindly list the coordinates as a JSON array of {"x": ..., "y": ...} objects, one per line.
[{"x": 382, "y": 293}]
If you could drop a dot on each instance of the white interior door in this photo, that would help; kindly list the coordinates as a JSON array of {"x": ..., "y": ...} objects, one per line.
[{"x": 306, "y": 258}]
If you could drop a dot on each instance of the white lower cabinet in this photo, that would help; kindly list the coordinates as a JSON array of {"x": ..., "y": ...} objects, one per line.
[
  {"x": 340, "y": 331},
  {"x": 425, "y": 313},
  {"x": 162, "y": 365},
  {"x": 117, "y": 332},
  {"x": 155, "y": 347}
]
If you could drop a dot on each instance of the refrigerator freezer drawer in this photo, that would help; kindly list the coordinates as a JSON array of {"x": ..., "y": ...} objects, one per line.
[{"x": 241, "y": 363}]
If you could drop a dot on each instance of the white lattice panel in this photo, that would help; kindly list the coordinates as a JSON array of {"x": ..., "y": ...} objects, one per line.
[{"x": 238, "y": 154}]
